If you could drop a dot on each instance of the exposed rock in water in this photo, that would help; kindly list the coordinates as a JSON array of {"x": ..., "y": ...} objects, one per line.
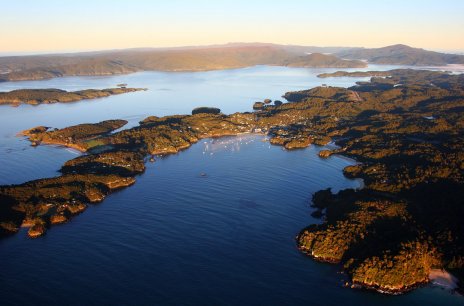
[{"x": 258, "y": 105}]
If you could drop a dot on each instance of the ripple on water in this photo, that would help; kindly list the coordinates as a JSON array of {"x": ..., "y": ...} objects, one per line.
[{"x": 175, "y": 237}]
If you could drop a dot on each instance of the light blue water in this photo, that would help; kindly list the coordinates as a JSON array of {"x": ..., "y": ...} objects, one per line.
[
  {"x": 168, "y": 93},
  {"x": 176, "y": 237}
]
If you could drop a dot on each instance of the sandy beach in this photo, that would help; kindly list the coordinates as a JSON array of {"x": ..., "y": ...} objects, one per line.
[{"x": 443, "y": 278}]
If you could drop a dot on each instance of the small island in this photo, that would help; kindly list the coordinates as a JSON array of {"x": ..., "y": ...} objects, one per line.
[
  {"x": 47, "y": 96},
  {"x": 205, "y": 110},
  {"x": 389, "y": 236}
]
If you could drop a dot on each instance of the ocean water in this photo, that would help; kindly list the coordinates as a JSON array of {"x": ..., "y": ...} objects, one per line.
[
  {"x": 168, "y": 93},
  {"x": 177, "y": 237}
]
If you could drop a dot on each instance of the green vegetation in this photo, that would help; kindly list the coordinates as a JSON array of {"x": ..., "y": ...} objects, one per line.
[
  {"x": 176, "y": 59},
  {"x": 357, "y": 74},
  {"x": 81, "y": 137},
  {"x": 406, "y": 131},
  {"x": 206, "y": 110},
  {"x": 228, "y": 56},
  {"x": 318, "y": 60},
  {"x": 212, "y": 58},
  {"x": 401, "y": 55},
  {"x": 112, "y": 162},
  {"x": 47, "y": 96},
  {"x": 409, "y": 142}
]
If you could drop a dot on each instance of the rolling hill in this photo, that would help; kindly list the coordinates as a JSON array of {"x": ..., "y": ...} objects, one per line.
[
  {"x": 215, "y": 57},
  {"x": 168, "y": 59},
  {"x": 401, "y": 55}
]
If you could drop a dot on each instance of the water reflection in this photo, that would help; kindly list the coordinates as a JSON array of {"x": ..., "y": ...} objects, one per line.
[{"x": 231, "y": 144}]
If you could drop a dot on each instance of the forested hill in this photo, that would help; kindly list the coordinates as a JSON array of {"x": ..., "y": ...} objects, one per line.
[
  {"x": 175, "y": 59},
  {"x": 402, "y": 55}
]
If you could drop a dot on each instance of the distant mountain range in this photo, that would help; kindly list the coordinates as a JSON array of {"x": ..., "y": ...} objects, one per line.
[
  {"x": 401, "y": 55},
  {"x": 201, "y": 58}
]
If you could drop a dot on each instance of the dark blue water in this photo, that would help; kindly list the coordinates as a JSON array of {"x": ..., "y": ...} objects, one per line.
[
  {"x": 176, "y": 237},
  {"x": 179, "y": 238}
]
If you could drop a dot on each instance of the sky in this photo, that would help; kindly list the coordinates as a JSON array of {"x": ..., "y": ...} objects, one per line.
[{"x": 33, "y": 26}]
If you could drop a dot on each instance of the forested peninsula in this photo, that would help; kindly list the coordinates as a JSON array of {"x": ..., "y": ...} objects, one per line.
[
  {"x": 52, "y": 95},
  {"x": 405, "y": 129}
]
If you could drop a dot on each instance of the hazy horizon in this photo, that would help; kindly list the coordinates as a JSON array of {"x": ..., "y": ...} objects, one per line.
[
  {"x": 59, "y": 27},
  {"x": 232, "y": 152},
  {"x": 54, "y": 52}
]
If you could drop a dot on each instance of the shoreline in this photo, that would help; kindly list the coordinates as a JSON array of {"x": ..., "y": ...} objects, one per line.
[
  {"x": 443, "y": 278},
  {"x": 386, "y": 208},
  {"x": 454, "y": 68},
  {"x": 36, "y": 97},
  {"x": 436, "y": 277}
]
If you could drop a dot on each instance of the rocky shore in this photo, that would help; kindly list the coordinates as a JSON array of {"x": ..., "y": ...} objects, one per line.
[{"x": 389, "y": 236}]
